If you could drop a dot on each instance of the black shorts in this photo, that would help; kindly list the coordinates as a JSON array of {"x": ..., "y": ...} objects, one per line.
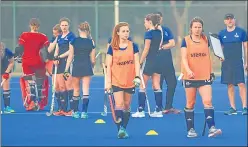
[
  {"x": 61, "y": 66},
  {"x": 82, "y": 69},
  {"x": 151, "y": 67},
  {"x": 196, "y": 83},
  {"x": 232, "y": 73},
  {"x": 127, "y": 90}
]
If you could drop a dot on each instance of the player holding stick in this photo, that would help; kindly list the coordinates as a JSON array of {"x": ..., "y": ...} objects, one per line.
[
  {"x": 82, "y": 52},
  {"x": 7, "y": 64},
  {"x": 153, "y": 40},
  {"x": 123, "y": 71},
  {"x": 60, "y": 59},
  {"x": 49, "y": 65},
  {"x": 197, "y": 75}
]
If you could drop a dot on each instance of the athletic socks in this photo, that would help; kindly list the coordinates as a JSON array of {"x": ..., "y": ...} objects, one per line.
[
  {"x": 125, "y": 119},
  {"x": 75, "y": 102},
  {"x": 189, "y": 117},
  {"x": 119, "y": 115},
  {"x": 64, "y": 99},
  {"x": 158, "y": 99},
  {"x": 58, "y": 97},
  {"x": 6, "y": 98},
  {"x": 141, "y": 100},
  {"x": 209, "y": 115},
  {"x": 85, "y": 103},
  {"x": 70, "y": 94}
]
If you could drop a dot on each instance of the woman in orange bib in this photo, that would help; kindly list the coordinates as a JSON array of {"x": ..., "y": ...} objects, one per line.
[
  {"x": 197, "y": 75},
  {"x": 122, "y": 73}
]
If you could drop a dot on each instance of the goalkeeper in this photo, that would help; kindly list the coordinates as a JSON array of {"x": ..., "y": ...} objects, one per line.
[{"x": 33, "y": 51}]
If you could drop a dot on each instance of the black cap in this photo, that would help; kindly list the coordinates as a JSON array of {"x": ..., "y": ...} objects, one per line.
[{"x": 229, "y": 15}]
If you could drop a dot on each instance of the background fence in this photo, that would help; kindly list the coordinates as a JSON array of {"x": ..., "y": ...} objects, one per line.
[{"x": 101, "y": 16}]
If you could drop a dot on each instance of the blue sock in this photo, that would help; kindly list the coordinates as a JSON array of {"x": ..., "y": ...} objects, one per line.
[
  {"x": 64, "y": 97},
  {"x": 58, "y": 97},
  {"x": 209, "y": 115},
  {"x": 119, "y": 114},
  {"x": 158, "y": 99},
  {"x": 85, "y": 103},
  {"x": 141, "y": 100},
  {"x": 189, "y": 117},
  {"x": 70, "y": 94},
  {"x": 75, "y": 102},
  {"x": 126, "y": 116},
  {"x": 6, "y": 98}
]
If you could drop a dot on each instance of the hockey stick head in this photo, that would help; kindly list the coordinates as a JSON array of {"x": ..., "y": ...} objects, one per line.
[
  {"x": 104, "y": 114},
  {"x": 105, "y": 101},
  {"x": 49, "y": 114},
  {"x": 118, "y": 121}
]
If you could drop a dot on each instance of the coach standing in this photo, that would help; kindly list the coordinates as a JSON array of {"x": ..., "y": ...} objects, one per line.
[
  {"x": 234, "y": 40},
  {"x": 168, "y": 71}
]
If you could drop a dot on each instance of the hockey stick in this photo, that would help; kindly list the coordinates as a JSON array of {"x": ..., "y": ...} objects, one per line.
[
  {"x": 144, "y": 86},
  {"x": 204, "y": 128},
  {"x": 25, "y": 101},
  {"x": 111, "y": 98},
  {"x": 98, "y": 54},
  {"x": 105, "y": 100},
  {"x": 53, "y": 96},
  {"x": 3, "y": 82}
]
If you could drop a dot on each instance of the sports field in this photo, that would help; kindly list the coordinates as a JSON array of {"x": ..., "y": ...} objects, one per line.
[{"x": 35, "y": 128}]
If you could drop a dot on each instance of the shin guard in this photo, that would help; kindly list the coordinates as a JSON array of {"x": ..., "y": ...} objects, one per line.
[
  {"x": 126, "y": 116},
  {"x": 119, "y": 115},
  {"x": 209, "y": 116},
  {"x": 29, "y": 94},
  {"x": 189, "y": 117},
  {"x": 85, "y": 103},
  {"x": 141, "y": 100}
]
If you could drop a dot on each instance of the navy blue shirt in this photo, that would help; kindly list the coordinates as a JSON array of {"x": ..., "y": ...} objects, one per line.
[
  {"x": 52, "y": 40},
  {"x": 155, "y": 37},
  {"x": 167, "y": 34},
  {"x": 8, "y": 54},
  {"x": 135, "y": 49},
  {"x": 63, "y": 43},
  {"x": 82, "y": 49},
  {"x": 232, "y": 43},
  {"x": 110, "y": 39}
]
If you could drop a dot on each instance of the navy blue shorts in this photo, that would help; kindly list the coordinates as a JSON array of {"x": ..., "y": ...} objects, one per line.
[
  {"x": 151, "y": 67},
  {"x": 196, "y": 83},
  {"x": 232, "y": 73},
  {"x": 82, "y": 69},
  {"x": 127, "y": 90},
  {"x": 61, "y": 66}
]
